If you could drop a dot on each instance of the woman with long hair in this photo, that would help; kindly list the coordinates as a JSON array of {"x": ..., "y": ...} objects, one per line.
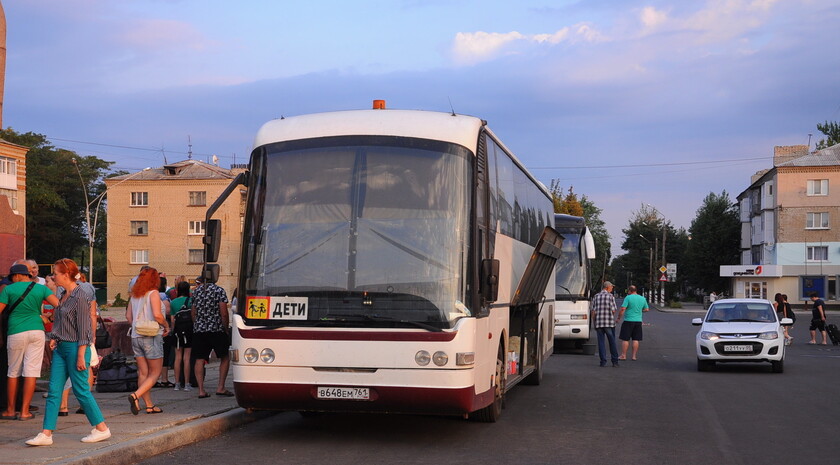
[
  {"x": 183, "y": 334},
  {"x": 148, "y": 350},
  {"x": 70, "y": 340},
  {"x": 788, "y": 313}
]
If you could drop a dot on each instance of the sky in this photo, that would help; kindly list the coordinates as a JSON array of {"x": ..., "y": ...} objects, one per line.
[{"x": 628, "y": 102}]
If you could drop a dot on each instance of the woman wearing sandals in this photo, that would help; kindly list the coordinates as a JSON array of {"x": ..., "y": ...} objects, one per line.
[
  {"x": 70, "y": 340},
  {"x": 148, "y": 350}
]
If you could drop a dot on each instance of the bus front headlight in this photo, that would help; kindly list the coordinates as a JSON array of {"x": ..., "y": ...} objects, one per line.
[
  {"x": 440, "y": 358},
  {"x": 267, "y": 355},
  {"x": 250, "y": 355},
  {"x": 422, "y": 358}
]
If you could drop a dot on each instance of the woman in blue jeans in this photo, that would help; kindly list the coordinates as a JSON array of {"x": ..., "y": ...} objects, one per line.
[{"x": 70, "y": 340}]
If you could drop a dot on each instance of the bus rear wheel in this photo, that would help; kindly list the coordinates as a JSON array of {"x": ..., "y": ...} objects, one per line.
[{"x": 493, "y": 412}]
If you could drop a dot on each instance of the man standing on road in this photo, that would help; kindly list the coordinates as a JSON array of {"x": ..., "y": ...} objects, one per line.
[
  {"x": 631, "y": 329},
  {"x": 817, "y": 319},
  {"x": 210, "y": 333},
  {"x": 602, "y": 309}
]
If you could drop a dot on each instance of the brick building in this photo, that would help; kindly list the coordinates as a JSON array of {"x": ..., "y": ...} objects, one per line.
[
  {"x": 12, "y": 204},
  {"x": 789, "y": 244},
  {"x": 156, "y": 217}
]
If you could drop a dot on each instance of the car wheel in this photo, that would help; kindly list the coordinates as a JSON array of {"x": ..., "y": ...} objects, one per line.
[
  {"x": 705, "y": 365},
  {"x": 778, "y": 367}
]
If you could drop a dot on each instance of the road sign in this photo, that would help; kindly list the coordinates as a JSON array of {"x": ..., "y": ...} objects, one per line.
[
  {"x": 663, "y": 277},
  {"x": 662, "y": 269}
]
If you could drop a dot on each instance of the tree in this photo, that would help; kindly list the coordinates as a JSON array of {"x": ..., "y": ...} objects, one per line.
[
  {"x": 567, "y": 203},
  {"x": 55, "y": 197},
  {"x": 830, "y": 129},
  {"x": 715, "y": 240},
  {"x": 643, "y": 243}
]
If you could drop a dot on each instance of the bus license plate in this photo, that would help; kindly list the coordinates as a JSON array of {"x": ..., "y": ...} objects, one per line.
[
  {"x": 737, "y": 348},
  {"x": 343, "y": 393}
]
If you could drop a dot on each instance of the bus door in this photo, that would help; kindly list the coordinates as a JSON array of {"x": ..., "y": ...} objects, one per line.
[{"x": 525, "y": 341}]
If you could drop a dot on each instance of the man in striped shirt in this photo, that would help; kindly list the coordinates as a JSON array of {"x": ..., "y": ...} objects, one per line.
[{"x": 602, "y": 309}]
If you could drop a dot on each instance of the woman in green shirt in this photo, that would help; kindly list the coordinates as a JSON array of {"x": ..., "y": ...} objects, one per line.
[{"x": 25, "y": 344}]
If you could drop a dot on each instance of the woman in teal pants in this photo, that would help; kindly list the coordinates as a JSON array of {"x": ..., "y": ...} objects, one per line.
[{"x": 70, "y": 340}]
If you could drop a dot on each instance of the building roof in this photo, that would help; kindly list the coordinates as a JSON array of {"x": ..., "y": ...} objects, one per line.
[
  {"x": 186, "y": 169},
  {"x": 829, "y": 156}
]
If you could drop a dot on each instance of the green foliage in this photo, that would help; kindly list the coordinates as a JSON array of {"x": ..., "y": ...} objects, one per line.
[
  {"x": 119, "y": 301},
  {"x": 715, "y": 241},
  {"x": 675, "y": 304},
  {"x": 567, "y": 203},
  {"x": 643, "y": 239},
  {"x": 830, "y": 129},
  {"x": 55, "y": 197}
]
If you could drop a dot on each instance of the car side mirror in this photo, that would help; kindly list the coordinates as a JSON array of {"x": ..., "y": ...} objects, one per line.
[
  {"x": 786, "y": 322},
  {"x": 697, "y": 321}
]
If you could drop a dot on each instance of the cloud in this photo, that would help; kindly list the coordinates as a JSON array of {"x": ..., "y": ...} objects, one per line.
[
  {"x": 474, "y": 47},
  {"x": 157, "y": 34}
]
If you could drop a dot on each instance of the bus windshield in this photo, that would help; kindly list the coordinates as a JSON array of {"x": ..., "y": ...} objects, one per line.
[
  {"x": 372, "y": 230},
  {"x": 572, "y": 266}
]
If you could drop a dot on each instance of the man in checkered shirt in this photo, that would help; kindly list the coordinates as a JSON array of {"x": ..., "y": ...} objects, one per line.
[{"x": 602, "y": 309}]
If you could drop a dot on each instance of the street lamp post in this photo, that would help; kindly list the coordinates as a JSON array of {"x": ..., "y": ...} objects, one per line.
[
  {"x": 650, "y": 267},
  {"x": 664, "y": 260},
  {"x": 91, "y": 228}
]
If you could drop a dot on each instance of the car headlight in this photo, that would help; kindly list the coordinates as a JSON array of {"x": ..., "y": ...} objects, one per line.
[
  {"x": 709, "y": 336},
  {"x": 769, "y": 335}
]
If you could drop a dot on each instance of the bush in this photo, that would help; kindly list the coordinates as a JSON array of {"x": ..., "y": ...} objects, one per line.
[
  {"x": 119, "y": 301},
  {"x": 675, "y": 304}
]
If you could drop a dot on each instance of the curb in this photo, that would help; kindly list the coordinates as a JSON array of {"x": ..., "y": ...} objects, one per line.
[{"x": 165, "y": 440}]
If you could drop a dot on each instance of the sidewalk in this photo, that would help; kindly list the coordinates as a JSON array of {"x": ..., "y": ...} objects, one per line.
[{"x": 185, "y": 420}]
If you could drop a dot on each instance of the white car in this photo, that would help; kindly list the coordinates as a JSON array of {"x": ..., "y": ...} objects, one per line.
[{"x": 741, "y": 330}]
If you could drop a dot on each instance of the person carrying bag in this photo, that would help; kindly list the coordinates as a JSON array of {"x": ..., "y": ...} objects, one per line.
[{"x": 148, "y": 326}]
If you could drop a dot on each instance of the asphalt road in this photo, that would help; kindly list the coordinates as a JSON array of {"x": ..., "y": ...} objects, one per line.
[{"x": 657, "y": 410}]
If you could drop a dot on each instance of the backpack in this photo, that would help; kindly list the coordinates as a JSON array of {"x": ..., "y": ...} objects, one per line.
[{"x": 184, "y": 316}]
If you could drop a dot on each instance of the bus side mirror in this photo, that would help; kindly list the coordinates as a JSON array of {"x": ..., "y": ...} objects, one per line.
[
  {"x": 212, "y": 240},
  {"x": 210, "y": 273},
  {"x": 490, "y": 279}
]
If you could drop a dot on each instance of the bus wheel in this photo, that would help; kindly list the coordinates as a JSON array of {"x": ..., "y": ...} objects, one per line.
[
  {"x": 492, "y": 412},
  {"x": 535, "y": 378}
]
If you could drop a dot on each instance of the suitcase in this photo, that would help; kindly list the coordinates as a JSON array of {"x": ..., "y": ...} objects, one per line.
[
  {"x": 833, "y": 333},
  {"x": 121, "y": 378}
]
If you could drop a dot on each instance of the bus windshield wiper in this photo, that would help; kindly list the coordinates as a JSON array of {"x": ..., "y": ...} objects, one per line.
[{"x": 418, "y": 324}]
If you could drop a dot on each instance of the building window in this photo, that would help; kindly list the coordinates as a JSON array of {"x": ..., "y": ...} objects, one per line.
[
  {"x": 198, "y": 198},
  {"x": 139, "y": 257},
  {"x": 8, "y": 173},
  {"x": 195, "y": 256},
  {"x": 818, "y": 253},
  {"x": 139, "y": 228},
  {"x": 817, "y": 220},
  {"x": 832, "y": 288},
  {"x": 755, "y": 290},
  {"x": 818, "y": 187},
  {"x": 12, "y": 196},
  {"x": 139, "y": 199},
  {"x": 196, "y": 228}
]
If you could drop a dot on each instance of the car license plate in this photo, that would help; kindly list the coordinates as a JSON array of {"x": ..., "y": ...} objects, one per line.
[
  {"x": 737, "y": 348},
  {"x": 343, "y": 393}
]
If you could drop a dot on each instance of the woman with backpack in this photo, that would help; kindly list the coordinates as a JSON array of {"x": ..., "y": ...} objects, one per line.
[{"x": 182, "y": 314}]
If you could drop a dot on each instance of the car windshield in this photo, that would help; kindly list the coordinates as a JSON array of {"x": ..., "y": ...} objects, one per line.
[{"x": 757, "y": 312}]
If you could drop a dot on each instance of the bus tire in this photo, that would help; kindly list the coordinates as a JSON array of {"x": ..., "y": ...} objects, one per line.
[
  {"x": 493, "y": 412},
  {"x": 535, "y": 378}
]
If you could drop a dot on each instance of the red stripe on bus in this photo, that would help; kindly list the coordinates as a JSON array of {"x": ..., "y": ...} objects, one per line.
[{"x": 347, "y": 335}]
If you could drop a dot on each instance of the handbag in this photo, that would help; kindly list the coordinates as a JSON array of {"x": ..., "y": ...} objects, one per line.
[
  {"x": 4, "y": 317},
  {"x": 146, "y": 327},
  {"x": 103, "y": 337}
]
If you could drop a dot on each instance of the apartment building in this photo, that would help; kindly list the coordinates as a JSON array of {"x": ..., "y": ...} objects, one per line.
[
  {"x": 12, "y": 204},
  {"x": 156, "y": 217},
  {"x": 790, "y": 236}
]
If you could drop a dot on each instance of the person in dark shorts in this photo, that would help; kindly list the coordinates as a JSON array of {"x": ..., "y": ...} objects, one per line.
[
  {"x": 631, "y": 329},
  {"x": 210, "y": 333},
  {"x": 183, "y": 335},
  {"x": 817, "y": 319}
]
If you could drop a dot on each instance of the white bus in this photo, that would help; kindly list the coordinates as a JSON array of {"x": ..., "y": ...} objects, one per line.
[
  {"x": 392, "y": 261},
  {"x": 573, "y": 289}
]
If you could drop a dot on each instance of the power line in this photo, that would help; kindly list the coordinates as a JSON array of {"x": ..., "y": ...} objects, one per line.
[{"x": 638, "y": 165}]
